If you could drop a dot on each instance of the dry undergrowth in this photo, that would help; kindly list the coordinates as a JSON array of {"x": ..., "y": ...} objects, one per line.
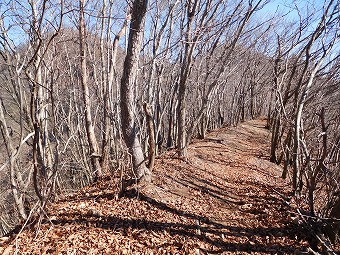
[{"x": 227, "y": 198}]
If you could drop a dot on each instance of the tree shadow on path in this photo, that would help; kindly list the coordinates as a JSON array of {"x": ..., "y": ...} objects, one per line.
[{"x": 219, "y": 236}]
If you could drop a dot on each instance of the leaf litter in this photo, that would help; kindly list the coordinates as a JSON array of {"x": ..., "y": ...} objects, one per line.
[{"x": 226, "y": 198}]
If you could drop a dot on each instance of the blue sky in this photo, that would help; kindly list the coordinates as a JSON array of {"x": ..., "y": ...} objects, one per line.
[{"x": 288, "y": 7}]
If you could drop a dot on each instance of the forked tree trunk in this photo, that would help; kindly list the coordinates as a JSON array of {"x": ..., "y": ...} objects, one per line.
[{"x": 127, "y": 105}]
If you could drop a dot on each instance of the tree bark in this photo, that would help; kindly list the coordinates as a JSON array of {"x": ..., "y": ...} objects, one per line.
[
  {"x": 129, "y": 125},
  {"x": 106, "y": 89},
  {"x": 297, "y": 174},
  {"x": 190, "y": 44},
  {"x": 151, "y": 131},
  {"x": 18, "y": 198},
  {"x": 91, "y": 137}
]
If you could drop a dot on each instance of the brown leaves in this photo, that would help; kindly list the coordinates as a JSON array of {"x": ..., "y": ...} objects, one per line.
[{"x": 220, "y": 202}]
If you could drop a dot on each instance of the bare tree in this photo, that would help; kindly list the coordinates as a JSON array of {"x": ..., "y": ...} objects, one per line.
[
  {"x": 127, "y": 104},
  {"x": 327, "y": 18},
  {"x": 91, "y": 136},
  {"x": 190, "y": 42}
]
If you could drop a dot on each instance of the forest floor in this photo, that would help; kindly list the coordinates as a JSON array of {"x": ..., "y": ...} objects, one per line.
[{"x": 227, "y": 198}]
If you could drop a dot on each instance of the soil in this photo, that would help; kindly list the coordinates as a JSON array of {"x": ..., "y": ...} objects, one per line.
[{"x": 225, "y": 198}]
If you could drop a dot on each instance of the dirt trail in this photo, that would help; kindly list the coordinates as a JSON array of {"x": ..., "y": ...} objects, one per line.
[{"x": 225, "y": 199}]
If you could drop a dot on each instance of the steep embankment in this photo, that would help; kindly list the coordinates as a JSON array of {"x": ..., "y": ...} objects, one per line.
[{"x": 226, "y": 199}]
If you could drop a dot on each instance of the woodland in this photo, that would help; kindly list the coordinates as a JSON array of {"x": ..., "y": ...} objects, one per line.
[{"x": 92, "y": 91}]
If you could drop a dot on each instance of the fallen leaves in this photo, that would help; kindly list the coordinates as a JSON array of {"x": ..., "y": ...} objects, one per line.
[{"x": 221, "y": 202}]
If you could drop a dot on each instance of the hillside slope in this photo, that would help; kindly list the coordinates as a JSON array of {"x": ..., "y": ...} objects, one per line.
[{"x": 227, "y": 198}]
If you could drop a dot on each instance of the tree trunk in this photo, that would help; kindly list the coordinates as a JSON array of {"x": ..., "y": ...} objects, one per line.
[
  {"x": 172, "y": 113},
  {"x": 333, "y": 229},
  {"x": 275, "y": 137},
  {"x": 297, "y": 174},
  {"x": 286, "y": 154},
  {"x": 129, "y": 125},
  {"x": 190, "y": 44},
  {"x": 151, "y": 133},
  {"x": 91, "y": 137},
  {"x": 181, "y": 110},
  {"x": 106, "y": 89},
  {"x": 18, "y": 198}
]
